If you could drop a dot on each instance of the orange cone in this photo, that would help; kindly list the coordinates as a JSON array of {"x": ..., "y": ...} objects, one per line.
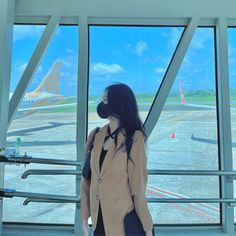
[{"x": 173, "y": 135}]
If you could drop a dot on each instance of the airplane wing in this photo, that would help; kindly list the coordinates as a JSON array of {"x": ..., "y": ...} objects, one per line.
[{"x": 41, "y": 108}]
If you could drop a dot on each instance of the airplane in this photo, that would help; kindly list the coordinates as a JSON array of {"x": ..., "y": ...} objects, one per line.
[
  {"x": 45, "y": 96},
  {"x": 184, "y": 102},
  {"x": 202, "y": 106}
]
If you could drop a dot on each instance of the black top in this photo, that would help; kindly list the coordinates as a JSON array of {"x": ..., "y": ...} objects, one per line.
[
  {"x": 102, "y": 157},
  {"x": 104, "y": 152}
]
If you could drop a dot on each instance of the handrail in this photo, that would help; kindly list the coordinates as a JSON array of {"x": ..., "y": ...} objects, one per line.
[
  {"x": 38, "y": 197},
  {"x": 9, "y": 193},
  {"x": 230, "y": 202},
  {"x": 49, "y": 172},
  {"x": 28, "y": 200},
  {"x": 24, "y": 159},
  {"x": 231, "y": 174},
  {"x": 191, "y": 200},
  {"x": 192, "y": 172}
]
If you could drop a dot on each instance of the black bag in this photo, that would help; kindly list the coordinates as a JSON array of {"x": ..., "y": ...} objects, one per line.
[
  {"x": 86, "y": 171},
  {"x": 133, "y": 225}
]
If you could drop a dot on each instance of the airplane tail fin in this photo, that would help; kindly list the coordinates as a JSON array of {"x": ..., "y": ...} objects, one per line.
[
  {"x": 50, "y": 83},
  {"x": 183, "y": 100}
]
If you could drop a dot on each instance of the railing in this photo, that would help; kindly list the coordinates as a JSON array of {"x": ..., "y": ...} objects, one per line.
[
  {"x": 230, "y": 175},
  {"x": 9, "y": 193},
  {"x": 28, "y": 200},
  {"x": 24, "y": 159},
  {"x": 36, "y": 197},
  {"x": 49, "y": 172},
  {"x": 192, "y": 172},
  {"x": 192, "y": 200}
]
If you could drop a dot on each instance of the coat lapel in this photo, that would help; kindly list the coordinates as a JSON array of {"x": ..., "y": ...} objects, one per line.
[
  {"x": 111, "y": 152},
  {"x": 98, "y": 143}
]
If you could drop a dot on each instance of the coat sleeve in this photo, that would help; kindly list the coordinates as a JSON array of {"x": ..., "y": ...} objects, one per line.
[
  {"x": 138, "y": 180},
  {"x": 85, "y": 186}
]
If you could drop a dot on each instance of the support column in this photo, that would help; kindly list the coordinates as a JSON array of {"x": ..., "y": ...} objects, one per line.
[
  {"x": 7, "y": 10},
  {"x": 224, "y": 121},
  {"x": 82, "y": 98}
]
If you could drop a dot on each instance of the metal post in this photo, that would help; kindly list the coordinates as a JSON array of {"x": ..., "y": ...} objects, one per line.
[
  {"x": 170, "y": 76},
  {"x": 7, "y": 10},
  {"x": 82, "y": 95},
  {"x": 224, "y": 121}
]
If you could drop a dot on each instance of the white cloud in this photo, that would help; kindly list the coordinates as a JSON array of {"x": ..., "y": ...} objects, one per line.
[
  {"x": 69, "y": 70},
  {"x": 160, "y": 70},
  {"x": 70, "y": 51},
  {"x": 105, "y": 69},
  {"x": 140, "y": 47},
  {"x": 200, "y": 38},
  {"x": 27, "y": 31},
  {"x": 22, "y": 66},
  {"x": 198, "y": 41}
]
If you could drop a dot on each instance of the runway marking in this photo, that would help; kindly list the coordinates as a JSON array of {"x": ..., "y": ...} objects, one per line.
[
  {"x": 156, "y": 191},
  {"x": 188, "y": 209}
]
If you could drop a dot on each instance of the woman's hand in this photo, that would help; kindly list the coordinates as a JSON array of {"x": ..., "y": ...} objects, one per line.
[
  {"x": 148, "y": 233},
  {"x": 85, "y": 227}
]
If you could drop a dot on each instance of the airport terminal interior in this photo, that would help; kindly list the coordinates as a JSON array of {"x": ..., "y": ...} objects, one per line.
[{"x": 56, "y": 59}]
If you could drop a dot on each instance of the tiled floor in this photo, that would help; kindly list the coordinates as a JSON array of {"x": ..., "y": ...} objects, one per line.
[{"x": 159, "y": 232}]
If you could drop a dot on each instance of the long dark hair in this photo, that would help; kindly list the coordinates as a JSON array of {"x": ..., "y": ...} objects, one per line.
[{"x": 122, "y": 101}]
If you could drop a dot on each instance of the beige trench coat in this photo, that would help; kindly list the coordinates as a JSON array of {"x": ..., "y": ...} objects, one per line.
[{"x": 114, "y": 184}]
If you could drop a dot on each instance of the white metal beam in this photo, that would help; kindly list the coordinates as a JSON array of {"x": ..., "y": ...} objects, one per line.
[
  {"x": 32, "y": 66},
  {"x": 170, "y": 76},
  {"x": 224, "y": 121},
  {"x": 7, "y": 9},
  {"x": 127, "y": 9},
  {"x": 82, "y": 97}
]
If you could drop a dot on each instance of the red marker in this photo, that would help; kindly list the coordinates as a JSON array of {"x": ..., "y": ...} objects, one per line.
[{"x": 173, "y": 135}]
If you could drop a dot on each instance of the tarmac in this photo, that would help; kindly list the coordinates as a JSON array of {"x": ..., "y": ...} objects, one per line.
[{"x": 182, "y": 140}]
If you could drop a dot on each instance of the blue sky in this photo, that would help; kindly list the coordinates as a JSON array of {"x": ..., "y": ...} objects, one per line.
[{"x": 138, "y": 56}]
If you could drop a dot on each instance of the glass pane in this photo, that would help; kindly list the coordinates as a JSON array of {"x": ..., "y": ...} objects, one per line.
[
  {"x": 185, "y": 137},
  {"x": 25, "y": 39},
  {"x": 232, "y": 81},
  {"x": 45, "y": 123},
  {"x": 136, "y": 56}
]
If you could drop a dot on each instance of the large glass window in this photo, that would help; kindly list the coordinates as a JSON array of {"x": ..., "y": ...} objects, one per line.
[
  {"x": 139, "y": 57},
  {"x": 136, "y": 56},
  {"x": 45, "y": 123},
  {"x": 185, "y": 138},
  {"x": 232, "y": 81}
]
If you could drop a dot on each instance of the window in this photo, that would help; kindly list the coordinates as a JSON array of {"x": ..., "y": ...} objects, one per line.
[
  {"x": 48, "y": 131},
  {"x": 185, "y": 138},
  {"x": 137, "y": 57},
  {"x": 232, "y": 81}
]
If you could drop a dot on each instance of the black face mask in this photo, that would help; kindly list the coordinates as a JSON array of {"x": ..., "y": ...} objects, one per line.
[{"x": 104, "y": 110}]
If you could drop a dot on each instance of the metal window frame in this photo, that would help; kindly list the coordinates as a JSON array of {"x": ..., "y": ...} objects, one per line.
[
  {"x": 6, "y": 35},
  {"x": 224, "y": 120},
  {"x": 82, "y": 113},
  {"x": 84, "y": 22}
]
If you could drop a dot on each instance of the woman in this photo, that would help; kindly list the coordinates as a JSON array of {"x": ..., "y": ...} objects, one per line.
[{"x": 107, "y": 197}]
